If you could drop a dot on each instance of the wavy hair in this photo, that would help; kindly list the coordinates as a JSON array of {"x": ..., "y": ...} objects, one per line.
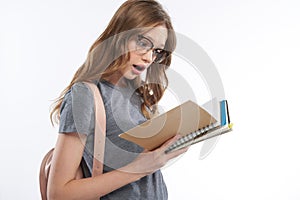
[{"x": 109, "y": 53}]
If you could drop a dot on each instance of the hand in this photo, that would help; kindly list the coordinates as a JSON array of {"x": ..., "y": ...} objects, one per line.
[{"x": 150, "y": 161}]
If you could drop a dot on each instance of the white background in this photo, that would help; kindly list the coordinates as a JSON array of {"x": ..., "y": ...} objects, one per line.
[{"x": 255, "y": 46}]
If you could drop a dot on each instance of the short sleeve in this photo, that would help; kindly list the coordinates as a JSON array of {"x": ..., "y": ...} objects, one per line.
[{"x": 77, "y": 111}]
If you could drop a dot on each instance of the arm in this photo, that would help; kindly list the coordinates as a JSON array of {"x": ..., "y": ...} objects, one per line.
[{"x": 62, "y": 184}]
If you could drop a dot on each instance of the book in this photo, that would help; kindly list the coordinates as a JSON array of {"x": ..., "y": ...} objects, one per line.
[{"x": 193, "y": 122}]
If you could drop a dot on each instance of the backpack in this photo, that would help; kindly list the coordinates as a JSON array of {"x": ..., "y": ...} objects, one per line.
[{"x": 99, "y": 144}]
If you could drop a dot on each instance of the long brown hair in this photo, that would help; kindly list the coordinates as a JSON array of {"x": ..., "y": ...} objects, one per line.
[{"x": 108, "y": 53}]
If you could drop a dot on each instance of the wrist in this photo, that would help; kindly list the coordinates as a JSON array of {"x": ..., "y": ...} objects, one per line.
[{"x": 132, "y": 173}]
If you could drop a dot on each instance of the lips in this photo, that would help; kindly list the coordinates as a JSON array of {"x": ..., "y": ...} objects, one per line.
[{"x": 138, "y": 69}]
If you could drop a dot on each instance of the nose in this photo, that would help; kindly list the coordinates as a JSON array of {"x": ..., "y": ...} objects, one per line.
[{"x": 148, "y": 57}]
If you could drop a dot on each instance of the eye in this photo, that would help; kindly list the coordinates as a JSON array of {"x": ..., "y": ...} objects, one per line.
[
  {"x": 158, "y": 51},
  {"x": 144, "y": 43}
]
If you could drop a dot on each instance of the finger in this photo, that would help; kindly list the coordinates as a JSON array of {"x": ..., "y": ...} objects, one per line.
[
  {"x": 170, "y": 141},
  {"x": 176, "y": 153}
]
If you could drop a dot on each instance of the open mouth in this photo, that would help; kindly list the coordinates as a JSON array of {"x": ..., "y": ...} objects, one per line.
[{"x": 139, "y": 68}]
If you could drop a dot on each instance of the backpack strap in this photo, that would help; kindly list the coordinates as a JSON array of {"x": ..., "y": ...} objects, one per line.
[{"x": 100, "y": 130}]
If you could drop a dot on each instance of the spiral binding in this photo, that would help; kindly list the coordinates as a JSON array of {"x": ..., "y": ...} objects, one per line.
[{"x": 188, "y": 139}]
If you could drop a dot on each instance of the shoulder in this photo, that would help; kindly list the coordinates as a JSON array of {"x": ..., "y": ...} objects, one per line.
[
  {"x": 77, "y": 110},
  {"x": 79, "y": 95},
  {"x": 80, "y": 89}
]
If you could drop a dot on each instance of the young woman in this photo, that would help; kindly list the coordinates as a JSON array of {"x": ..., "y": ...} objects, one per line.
[{"x": 139, "y": 38}]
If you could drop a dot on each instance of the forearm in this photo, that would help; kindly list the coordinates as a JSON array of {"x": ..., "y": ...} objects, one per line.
[
  {"x": 62, "y": 184},
  {"x": 94, "y": 187}
]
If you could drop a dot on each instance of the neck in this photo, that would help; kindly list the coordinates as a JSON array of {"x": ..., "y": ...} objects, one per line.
[{"x": 117, "y": 79}]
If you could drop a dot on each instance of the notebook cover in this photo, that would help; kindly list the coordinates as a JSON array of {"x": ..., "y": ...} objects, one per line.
[{"x": 183, "y": 119}]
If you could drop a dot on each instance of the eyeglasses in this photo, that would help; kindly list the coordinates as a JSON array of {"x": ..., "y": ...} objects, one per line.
[{"x": 144, "y": 45}]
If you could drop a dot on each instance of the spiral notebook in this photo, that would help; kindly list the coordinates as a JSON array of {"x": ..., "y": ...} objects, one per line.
[
  {"x": 193, "y": 122},
  {"x": 211, "y": 130}
]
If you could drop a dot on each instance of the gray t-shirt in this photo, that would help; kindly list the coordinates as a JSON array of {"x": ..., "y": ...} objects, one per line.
[{"x": 123, "y": 112}]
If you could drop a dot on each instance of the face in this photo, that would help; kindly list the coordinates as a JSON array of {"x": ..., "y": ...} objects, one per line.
[{"x": 145, "y": 49}]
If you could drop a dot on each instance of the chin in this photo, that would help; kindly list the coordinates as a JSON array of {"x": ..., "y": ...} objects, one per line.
[{"x": 130, "y": 76}]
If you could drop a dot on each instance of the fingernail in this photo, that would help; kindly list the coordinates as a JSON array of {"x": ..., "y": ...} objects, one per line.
[{"x": 178, "y": 136}]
